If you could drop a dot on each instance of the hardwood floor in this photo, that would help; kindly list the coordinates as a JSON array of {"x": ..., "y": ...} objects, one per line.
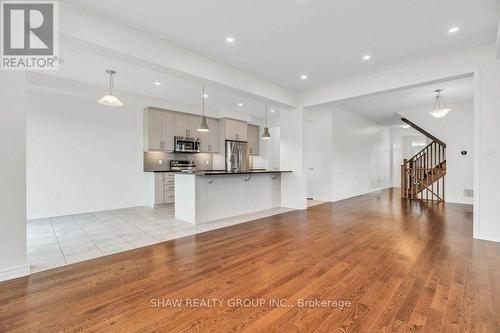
[{"x": 403, "y": 266}]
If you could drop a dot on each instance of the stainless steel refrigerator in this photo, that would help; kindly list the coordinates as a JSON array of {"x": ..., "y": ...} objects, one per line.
[{"x": 236, "y": 156}]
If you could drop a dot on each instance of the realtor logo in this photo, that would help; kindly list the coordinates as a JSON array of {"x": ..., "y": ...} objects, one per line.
[{"x": 30, "y": 36}]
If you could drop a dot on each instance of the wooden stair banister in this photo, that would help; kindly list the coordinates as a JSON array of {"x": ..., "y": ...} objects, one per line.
[
  {"x": 423, "y": 175},
  {"x": 424, "y": 132}
]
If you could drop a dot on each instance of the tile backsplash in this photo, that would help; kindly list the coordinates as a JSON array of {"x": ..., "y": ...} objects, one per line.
[{"x": 152, "y": 160}]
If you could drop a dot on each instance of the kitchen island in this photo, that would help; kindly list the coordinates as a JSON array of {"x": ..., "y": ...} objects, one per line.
[{"x": 205, "y": 196}]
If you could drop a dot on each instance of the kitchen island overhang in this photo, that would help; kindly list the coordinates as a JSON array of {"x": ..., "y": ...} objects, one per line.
[{"x": 206, "y": 196}]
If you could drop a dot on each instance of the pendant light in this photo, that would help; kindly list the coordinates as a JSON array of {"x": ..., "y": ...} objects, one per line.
[
  {"x": 440, "y": 109},
  {"x": 266, "y": 135},
  {"x": 110, "y": 99},
  {"x": 203, "y": 126}
]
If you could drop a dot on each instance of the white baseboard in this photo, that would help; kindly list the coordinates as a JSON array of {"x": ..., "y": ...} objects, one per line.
[
  {"x": 325, "y": 199},
  {"x": 351, "y": 195},
  {"x": 14, "y": 272},
  {"x": 488, "y": 237}
]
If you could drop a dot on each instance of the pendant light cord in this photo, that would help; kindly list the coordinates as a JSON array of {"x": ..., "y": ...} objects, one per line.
[
  {"x": 266, "y": 114},
  {"x": 439, "y": 100},
  {"x": 111, "y": 82}
]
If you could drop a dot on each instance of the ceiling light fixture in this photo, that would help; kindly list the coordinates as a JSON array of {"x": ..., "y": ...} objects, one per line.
[
  {"x": 205, "y": 95},
  {"x": 453, "y": 29},
  {"x": 367, "y": 57},
  {"x": 272, "y": 110},
  {"x": 240, "y": 104},
  {"x": 266, "y": 135},
  {"x": 230, "y": 39},
  {"x": 303, "y": 77},
  {"x": 203, "y": 126},
  {"x": 440, "y": 109},
  {"x": 157, "y": 83},
  {"x": 109, "y": 99}
]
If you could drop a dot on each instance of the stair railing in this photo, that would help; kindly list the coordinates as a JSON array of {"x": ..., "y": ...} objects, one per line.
[{"x": 422, "y": 176}]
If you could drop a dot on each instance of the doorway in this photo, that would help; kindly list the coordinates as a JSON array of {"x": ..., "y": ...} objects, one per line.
[{"x": 309, "y": 158}]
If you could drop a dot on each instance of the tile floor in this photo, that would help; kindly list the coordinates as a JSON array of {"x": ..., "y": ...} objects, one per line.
[{"x": 58, "y": 241}]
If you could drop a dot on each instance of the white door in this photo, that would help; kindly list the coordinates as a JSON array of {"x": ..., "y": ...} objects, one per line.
[{"x": 309, "y": 158}]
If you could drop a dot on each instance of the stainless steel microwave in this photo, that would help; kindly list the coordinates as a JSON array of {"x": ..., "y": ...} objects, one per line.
[{"x": 184, "y": 144}]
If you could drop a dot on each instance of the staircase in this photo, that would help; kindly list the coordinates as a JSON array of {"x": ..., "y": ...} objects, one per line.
[{"x": 423, "y": 175}]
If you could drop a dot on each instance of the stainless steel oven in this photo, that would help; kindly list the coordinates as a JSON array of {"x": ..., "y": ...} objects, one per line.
[{"x": 184, "y": 144}]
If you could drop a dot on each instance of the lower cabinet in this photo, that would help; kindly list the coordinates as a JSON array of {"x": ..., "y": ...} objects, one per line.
[{"x": 164, "y": 188}]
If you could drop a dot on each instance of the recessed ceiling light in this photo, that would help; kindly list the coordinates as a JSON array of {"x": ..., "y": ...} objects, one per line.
[
  {"x": 230, "y": 39},
  {"x": 303, "y": 77},
  {"x": 240, "y": 104},
  {"x": 157, "y": 83},
  {"x": 367, "y": 57},
  {"x": 272, "y": 110},
  {"x": 205, "y": 95},
  {"x": 453, "y": 29}
]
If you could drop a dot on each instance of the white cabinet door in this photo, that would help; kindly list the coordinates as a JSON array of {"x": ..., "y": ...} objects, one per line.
[
  {"x": 181, "y": 122},
  {"x": 154, "y": 124},
  {"x": 204, "y": 140},
  {"x": 236, "y": 130},
  {"x": 242, "y": 131},
  {"x": 253, "y": 139},
  {"x": 231, "y": 129},
  {"x": 159, "y": 189},
  {"x": 167, "y": 130},
  {"x": 193, "y": 125},
  {"x": 213, "y": 136}
]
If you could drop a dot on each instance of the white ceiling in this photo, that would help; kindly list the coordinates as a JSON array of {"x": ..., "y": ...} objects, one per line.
[
  {"x": 281, "y": 39},
  {"x": 89, "y": 67},
  {"x": 386, "y": 108}
]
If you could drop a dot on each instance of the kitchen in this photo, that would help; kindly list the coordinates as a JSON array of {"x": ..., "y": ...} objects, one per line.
[
  {"x": 184, "y": 151},
  {"x": 110, "y": 184}
]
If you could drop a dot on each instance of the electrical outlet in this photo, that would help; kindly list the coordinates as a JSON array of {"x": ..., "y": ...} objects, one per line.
[{"x": 468, "y": 193}]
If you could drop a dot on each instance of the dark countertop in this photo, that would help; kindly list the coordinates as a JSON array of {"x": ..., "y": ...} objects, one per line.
[{"x": 223, "y": 172}]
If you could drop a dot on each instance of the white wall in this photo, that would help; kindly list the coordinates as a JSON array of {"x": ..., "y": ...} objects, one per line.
[
  {"x": 293, "y": 185},
  {"x": 456, "y": 130},
  {"x": 360, "y": 156},
  {"x": 13, "y": 262},
  {"x": 81, "y": 156},
  {"x": 351, "y": 154}
]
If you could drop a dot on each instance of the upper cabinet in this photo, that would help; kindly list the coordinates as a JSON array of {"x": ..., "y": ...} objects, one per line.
[
  {"x": 253, "y": 139},
  {"x": 161, "y": 126},
  {"x": 158, "y": 129},
  {"x": 234, "y": 130},
  {"x": 186, "y": 125},
  {"x": 210, "y": 140}
]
